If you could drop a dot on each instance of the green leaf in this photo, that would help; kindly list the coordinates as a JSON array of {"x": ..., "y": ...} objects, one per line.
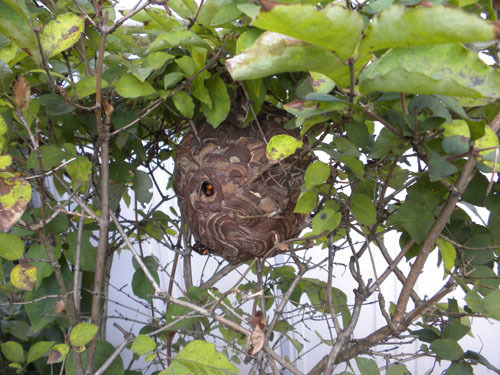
[
  {"x": 282, "y": 146},
  {"x": 143, "y": 345},
  {"x": 103, "y": 352},
  {"x": 274, "y": 53},
  {"x": 61, "y": 34},
  {"x": 141, "y": 286},
  {"x": 6, "y": 77},
  {"x": 89, "y": 252},
  {"x": 11, "y": 247},
  {"x": 440, "y": 168},
  {"x": 334, "y": 27},
  {"x": 187, "y": 65},
  {"x": 82, "y": 333},
  {"x": 129, "y": 86},
  {"x": 171, "y": 79},
  {"x": 316, "y": 174},
  {"x": 21, "y": 35},
  {"x": 200, "y": 357},
  {"x": 491, "y": 305},
  {"x": 41, "y": 313},
  {"x": 86, "y": 87},
  {"x": 184, "y": 103},
  {"x": 184, "y": 8},
  {"x": 220, "y": 101},
  {"x": 306, "y": 202},
  {"x": 397, "y": 370},
  {"x": 326, "y": 220},
  {"x": 448, "y": 253},
  {"x": 52, "y": 156},
  {"x": 177, "y": 38},
  {"x": 447, "y": 349},
  {"x": 363, "y": 209},
  {"x": 419, "y": 70},
  {"x": 367, "y": 366},
  {"x": 13, "y": 351},
  {"x": 415, "y": 218},
  {"x": 400, "y": 26},
  {"x": 176, "y": 311},
  {"x": 142, "y": 186},
  {"x": 38, "y": 349},
  {"x": 480, "y": 359},
  {"x": 79, "y": 169}
]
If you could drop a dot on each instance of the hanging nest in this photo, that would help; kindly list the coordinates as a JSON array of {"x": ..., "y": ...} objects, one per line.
[{"x": 236, "y": 203}]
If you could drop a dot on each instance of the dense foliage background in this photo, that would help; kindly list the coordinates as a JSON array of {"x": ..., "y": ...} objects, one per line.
[{"x": 390, "y": 95}]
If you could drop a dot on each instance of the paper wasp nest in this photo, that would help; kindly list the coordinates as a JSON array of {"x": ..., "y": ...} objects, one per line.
[{"x": 235, "y": 202}]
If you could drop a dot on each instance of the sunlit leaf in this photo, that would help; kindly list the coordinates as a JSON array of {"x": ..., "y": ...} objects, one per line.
[
  {"x": 11, "y": 247},
  {"x": 23, "y": 276},
  {"x": 282, "y": 146},
  {"x": 177, "y": 38},
  {"x": 198, "y": 357},
  {"x": 143, "y": 345},
  {"x": 274, "y": 53},
  {"x": 419, "y": 70},
  {"x": 334, "y": 27},
  {"x": 82, "y": 333},
  {"x": 316, "y": 174},
  {"x": 129, "y": 86},
  {"x": 61, "y": 33},
  {"x": 400, "y": 26},
  {"x": 15, "y": 194},
  {"x": 448, "y": 253},
  {"x": 13, "y": 351}
]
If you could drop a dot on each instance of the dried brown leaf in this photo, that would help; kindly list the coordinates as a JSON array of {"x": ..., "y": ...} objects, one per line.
[
  {"x": 22, "y": 93},
  {"x": 59, "y": 306}
]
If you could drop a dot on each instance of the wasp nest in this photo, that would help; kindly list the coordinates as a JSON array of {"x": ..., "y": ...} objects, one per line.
[{"x": 236, "y": 203}]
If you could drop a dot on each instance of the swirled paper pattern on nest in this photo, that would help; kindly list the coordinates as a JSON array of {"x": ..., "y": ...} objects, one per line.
[{"x": 235, "y": 202}]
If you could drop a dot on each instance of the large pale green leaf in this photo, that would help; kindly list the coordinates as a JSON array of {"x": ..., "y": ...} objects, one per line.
[
  {"x": 129, "y": 86},
  {"x": 274, "y": 53},
  {"x": 200, "y": 357},
  {"x": 61, "y": 33},
  {"x": 447, "y": 69},
  {"x": 82, "y": 333},
  {"x": 13, "y": 351},
  {"x": 335, "y": 28},
  {"x": 316, "y": 174},
  {"x": 399, "y": 26},
  {"x": 143, "y": 345}
]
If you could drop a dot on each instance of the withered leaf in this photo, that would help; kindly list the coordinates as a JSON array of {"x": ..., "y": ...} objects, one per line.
[
  {"x": 22, "y": 93},
  {"x": 23, "y": 276},
  {"x": 15, "y": 193},
  {"x": 59, "y": 306},
  {"x": 257, "y": 338}
]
